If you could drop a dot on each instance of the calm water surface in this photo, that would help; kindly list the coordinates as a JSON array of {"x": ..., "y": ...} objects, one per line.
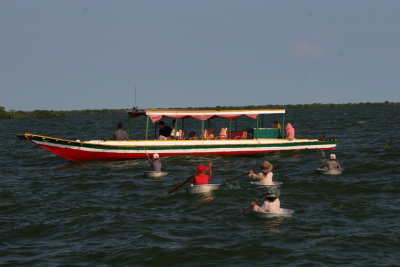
[{"x": 55, "y": 212}]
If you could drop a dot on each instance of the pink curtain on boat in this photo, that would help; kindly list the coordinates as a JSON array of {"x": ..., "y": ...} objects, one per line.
[
  {"x": 155, "y": 118},
  {"x": 177, "y": 116},
  {"x": 229, "y": 116},
  {"x": 253, "y": 116},
  {"x": 202, "y": 117}
]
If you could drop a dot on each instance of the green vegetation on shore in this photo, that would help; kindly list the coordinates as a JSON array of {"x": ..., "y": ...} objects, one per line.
[
  {"x": 40, "y": 114},
  {"x": 298, "y": 106}
]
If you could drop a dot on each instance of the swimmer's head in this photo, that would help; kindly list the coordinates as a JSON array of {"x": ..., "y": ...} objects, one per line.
[
  {"x": 201, "y": 169},
  {"x": 273, "y": 192},
  {"x": 266, "y": 167}
]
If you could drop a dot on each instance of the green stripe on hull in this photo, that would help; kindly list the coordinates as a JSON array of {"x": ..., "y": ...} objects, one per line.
[{"x": 236, "y": 146}]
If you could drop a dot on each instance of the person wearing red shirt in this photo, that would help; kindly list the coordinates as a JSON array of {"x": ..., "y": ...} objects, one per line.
[{"x": 201, "y": 177}]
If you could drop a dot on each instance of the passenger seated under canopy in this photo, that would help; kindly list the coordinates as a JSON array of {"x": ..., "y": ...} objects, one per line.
[
  {"x": 289, "y": 131},
  {"x": 120, "y": 134},
  {"x": 176, "y": 133},
  {"x": 165, "y": 131},
  {"x": 208, "y": 134},
  {"x": 223, "y": 134},
  {"x": 276, "y": 125}
]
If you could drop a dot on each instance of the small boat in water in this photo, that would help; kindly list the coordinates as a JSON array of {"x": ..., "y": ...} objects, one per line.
[
  {"x": 154, "y": 174},
  {"x": 325, "y": 171},
  {"x": 201, "y": 189},
  {"x": 263, "y": 186},
  {"x": 265, "y": 215}
]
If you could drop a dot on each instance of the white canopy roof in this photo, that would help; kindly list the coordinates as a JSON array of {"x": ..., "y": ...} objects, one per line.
[{"x": 169, "y": 112}]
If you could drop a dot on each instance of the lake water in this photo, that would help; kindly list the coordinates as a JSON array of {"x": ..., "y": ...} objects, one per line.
[{"x": 55, "y": 212}]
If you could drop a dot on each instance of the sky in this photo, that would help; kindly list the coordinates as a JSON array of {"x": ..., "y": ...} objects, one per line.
[{"x": 91, "y": 54}]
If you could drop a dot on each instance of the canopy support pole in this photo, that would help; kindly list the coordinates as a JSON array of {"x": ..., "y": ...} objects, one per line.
[
  {"x": 129, "y": 125},
  {"x": 236, "y": 123},
  {"x": 176, "y": 128},
  {"x": 257, "y": 124},
  {"x": 229, "y": 129},
  {"x": 283, "y": 126},
  {"x": 262, "y": 120},
  {"x": 147, "y": 126},
  {"x": 202, "y": 130}
]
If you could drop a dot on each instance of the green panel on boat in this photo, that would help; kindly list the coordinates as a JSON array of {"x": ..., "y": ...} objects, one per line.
[{"x": 266, "y": 133}]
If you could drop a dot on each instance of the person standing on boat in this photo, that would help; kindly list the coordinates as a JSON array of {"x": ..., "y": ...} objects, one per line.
[
  {"x": 165, "y": 131},
  {"x": 266, "y": 174},
  {"x": 201, "y": 177},
  {"x": 289, "y": 131},
  {"x": 155, "y": 163},
  {"x": 332, "y": 164},
  {"x": 120, "y": 134}
]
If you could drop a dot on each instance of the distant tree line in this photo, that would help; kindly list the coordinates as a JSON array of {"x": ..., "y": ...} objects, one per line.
[
  {"x": 39, "y": 114},
  {"x": 42, "y": 114},
  {"x": 298, "y": 106}
]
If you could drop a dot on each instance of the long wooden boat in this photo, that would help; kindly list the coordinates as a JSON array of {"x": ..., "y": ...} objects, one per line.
[{"x": 134, "y": 149}]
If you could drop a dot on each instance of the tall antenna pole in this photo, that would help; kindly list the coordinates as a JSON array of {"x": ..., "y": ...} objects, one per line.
[{"x": 135, "y": 95}]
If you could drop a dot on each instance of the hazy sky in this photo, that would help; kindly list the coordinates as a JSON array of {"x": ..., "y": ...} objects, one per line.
[{"x": 90, "y": 53}]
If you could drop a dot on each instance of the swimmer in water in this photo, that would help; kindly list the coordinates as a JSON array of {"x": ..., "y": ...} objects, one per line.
[
  {"x": 332, "y": 164},
  {"x": 155, "y": 163},
  {"x": 271, "y": 204},
  {"x": 201, "y": 177},
  {"x": 265, "y": 176}
]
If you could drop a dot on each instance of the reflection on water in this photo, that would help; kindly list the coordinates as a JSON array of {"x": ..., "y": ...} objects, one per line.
[
  {"x": 273, "y": 224},
  {"x": 201, "y": 219},
  {"x": 294, "y": 155},
  {"x": 204, "y": 197},
  {"x": 107, "y": 163},
  {"x": 233, "y": 185}
]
